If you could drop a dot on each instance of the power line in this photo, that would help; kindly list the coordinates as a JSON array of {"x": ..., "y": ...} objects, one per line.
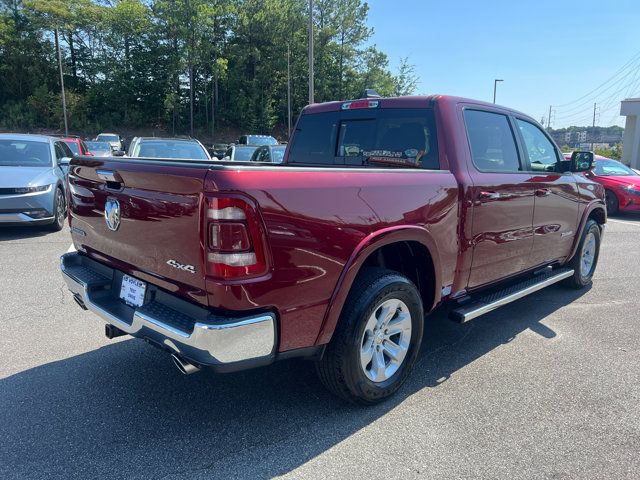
[
  {"x": 620, "y": 82},
  {"x": 633, "y": 59}
]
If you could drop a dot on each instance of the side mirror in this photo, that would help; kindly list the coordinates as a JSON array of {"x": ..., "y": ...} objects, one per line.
[
  {"x": 581, "y": 161},
  {"x": 64, "y": 161},
  {"x": 118, "y": 153}
]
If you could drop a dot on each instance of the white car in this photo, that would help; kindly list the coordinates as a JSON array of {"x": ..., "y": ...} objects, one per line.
[
  {"x": 174, "y": 148},
  {"x": 112, "y": 138}
]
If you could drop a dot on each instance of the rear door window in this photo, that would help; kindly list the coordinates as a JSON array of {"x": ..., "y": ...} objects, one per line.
[
  {"x": 367, "y": 137},
  {"x": 492, "y": 143}
]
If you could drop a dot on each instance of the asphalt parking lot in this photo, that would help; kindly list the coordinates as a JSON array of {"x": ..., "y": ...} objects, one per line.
[{"x": 547, "y": 387}]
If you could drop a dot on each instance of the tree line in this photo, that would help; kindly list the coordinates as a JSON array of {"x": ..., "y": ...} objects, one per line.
[{"x": 183, "y": 66}]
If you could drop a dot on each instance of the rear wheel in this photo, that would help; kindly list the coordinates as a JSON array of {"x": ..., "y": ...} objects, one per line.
[
  {"x": 612, "y": 202},
  {"x": 586, "y": 258},
  {"x": 59, "y": 211},
  {"x": 377, "y": 340}
]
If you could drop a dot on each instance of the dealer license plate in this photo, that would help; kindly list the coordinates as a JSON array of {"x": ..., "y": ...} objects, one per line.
[{"x": 132, "y": 291}]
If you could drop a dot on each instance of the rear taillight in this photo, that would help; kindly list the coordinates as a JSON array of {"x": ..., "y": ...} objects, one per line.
[{"x": 235, "y": 239}]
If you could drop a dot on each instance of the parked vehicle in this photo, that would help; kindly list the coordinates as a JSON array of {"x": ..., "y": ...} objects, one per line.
[
  {"x": 77, "y": 146},
  {"x": 239, "y": 153},
  {"x": 32, "y": 180},
  {"x": 621, "y": 183},
  {"x": 113, "y": 139},
  {"x": 218, "y": 150},
  {"x": 132, "y": 145},
  {"x": 99, "y": 149},
  {"x": 176, "y": 148},
  {"x": 269, "y": 154},
  {"x": 382, "y": 210},
  {"x": 257, "y": 140}
]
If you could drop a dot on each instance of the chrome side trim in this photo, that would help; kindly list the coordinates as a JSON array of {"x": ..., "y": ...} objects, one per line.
[
  {"x": 212, "y": 340},
  {"x": 22, "y": 218},
  {"x": 474, "y": 310}
]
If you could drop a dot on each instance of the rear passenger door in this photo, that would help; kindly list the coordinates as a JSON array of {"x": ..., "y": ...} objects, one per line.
[
  {"x": 555, "y": 218},
  {"x": 502, "y": 197}
]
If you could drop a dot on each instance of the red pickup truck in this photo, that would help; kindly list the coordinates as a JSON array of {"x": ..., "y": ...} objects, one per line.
[{"x": 383, "y": 209}]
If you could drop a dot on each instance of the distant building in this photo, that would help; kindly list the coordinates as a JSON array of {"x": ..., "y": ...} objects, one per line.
[{"x": 596, "y": 145}]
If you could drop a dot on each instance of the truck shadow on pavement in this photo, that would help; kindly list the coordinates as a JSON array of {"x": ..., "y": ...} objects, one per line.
[
  {"x": 17, "y": 233},
  {"x": 124, "y": 411}
]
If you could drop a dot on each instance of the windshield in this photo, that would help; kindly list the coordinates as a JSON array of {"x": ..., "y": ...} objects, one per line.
[
  {"x": 171, "y": 149},
  {"x": 277, "y": 154},
  {"x": 24, "y": 153},
  {"x": 243, "y": 154},
  {"x": 108, "y": 138},
  {"x": 261, "y": 140},
  {"x": 73, "y": 146},
  {"x": 611, "y": 168},
  {"x": 97, "y": 146}
]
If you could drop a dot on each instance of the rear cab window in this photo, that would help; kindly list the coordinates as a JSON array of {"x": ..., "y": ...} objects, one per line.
[{"x": 376, "y": 138}]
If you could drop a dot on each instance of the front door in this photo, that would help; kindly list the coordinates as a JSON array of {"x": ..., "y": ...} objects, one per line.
[
  {"x": 555, "y": 218},
  {"x": 503, "y": 199}
]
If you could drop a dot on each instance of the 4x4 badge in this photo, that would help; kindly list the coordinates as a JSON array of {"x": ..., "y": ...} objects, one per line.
[{"x": 181, "y": 266}]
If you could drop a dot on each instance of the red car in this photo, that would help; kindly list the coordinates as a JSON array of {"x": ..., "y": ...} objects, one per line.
[
  {"x": 622, "y": 184},
  {"x": 77, "y": 146}
]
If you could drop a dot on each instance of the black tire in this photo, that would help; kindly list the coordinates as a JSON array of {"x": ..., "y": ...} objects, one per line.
[
  {"x": 340, "y": 369},
  {"x": 580, "y": 277},
  {"x": 59, "y": 211},
  {"x": 612, "y": 202}
]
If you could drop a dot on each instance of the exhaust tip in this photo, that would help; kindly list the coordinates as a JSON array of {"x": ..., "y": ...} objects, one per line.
[
  {"x": 79, "y": 301},
  {"x": 184, "y": 365}
]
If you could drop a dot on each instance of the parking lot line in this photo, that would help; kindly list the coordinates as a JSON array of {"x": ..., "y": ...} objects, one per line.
[{"x": 622, "y": 221}]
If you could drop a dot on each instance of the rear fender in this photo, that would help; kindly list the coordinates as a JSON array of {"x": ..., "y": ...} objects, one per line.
[{"x": 366, "y": 247}]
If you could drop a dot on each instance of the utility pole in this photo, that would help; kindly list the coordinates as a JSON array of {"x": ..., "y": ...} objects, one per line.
[
  {"x": 190, "y": 97},
  {"x": 213, "y": 102},
  {"x": 289, "y": 90},
  {"x": 549, "y": 119},
  {"x": 593, "y": 130},
  {"x": 495, "y": 84},
  {"x": 64, "y": 100},
  {"x": 311, "y": 51}
]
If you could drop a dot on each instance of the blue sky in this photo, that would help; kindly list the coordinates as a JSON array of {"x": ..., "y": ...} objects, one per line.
[{"x": 547, "y": 52}]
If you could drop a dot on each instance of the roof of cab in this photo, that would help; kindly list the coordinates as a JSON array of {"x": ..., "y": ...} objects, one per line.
[{"x": 409, "y": 101}]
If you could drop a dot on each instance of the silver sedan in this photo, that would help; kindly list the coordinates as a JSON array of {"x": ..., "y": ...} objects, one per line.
[{"x": 32, "y": 180}]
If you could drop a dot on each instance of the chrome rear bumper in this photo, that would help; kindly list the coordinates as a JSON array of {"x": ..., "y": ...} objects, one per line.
[{"x": 168, "y": 321}]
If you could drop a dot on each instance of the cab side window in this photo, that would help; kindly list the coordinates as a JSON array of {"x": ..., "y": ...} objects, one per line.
[
  {"x": 539, "y": 150},
  {"x": 492, "y": 143}
]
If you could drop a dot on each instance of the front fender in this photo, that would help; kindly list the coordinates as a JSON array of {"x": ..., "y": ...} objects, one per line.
[
  {"x": 366, "y": 247},
  {"x": 593, "y": 205}
]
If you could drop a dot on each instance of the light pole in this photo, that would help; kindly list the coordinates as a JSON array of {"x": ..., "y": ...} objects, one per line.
[
  {"x": 495, "y": 84},
  {"x": 64, "y": 100},
  {"x": 311, "y": 51},
  {"x": 288, "y": 91}
]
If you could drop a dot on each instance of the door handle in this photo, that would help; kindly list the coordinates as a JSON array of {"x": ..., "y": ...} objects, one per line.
[
  {"x": 111, "y": 177},
  {"x": 108, "y": 175},
  {"x": 489, "y": 196},
  {"x": 542, "y": 192}
]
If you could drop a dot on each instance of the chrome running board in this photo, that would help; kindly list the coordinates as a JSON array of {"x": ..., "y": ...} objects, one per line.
[{"x": 488, "y": 303}]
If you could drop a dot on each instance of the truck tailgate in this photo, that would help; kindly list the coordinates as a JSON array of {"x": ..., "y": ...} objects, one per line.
[{"x": 152, "y": 229}]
